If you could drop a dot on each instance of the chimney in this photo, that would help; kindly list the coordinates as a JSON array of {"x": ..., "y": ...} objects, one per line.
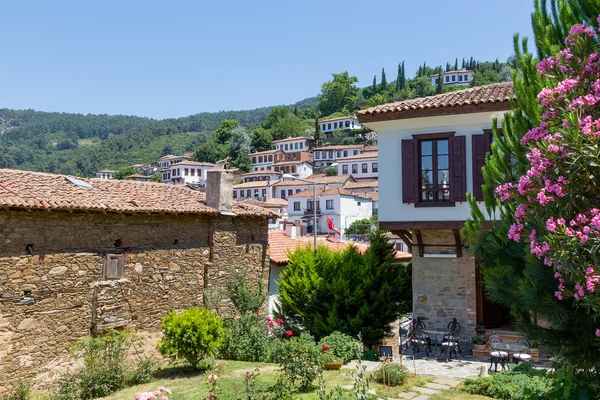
[
  {"x": 290, "y": 230},
  {"x": 219, "y": 188}
]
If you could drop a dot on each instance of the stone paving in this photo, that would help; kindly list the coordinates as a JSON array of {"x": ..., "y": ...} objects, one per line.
[{"x": 447, "y": 374}]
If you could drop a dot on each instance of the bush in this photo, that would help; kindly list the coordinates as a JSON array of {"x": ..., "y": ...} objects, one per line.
[
  {"x": 21, "y": 392},
  {"x": 391, "y": 374},
  {"x": 144, "y": 371},
  {"x": 344, "y": 347},
  {"x": 105, "y": 367},
  {"x": 331, "y": 171},
  {"x": 370, "y": 355},
  {"x": 300, "y": 361},
  {"x": 193, "y": 335},
  {"x": 247, "y": 340},
  {"x": 519, "y": 383}
]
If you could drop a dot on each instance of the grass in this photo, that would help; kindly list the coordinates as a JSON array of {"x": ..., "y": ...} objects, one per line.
[
  {"x": 188, "y": 385},
  {"x": 457, "y": 394}
]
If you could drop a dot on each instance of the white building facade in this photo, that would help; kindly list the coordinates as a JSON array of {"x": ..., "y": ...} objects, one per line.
[
  {"x": 362, "y": 166},
  {"x": 325, "y": 156},
  {"x": 454, "y": 78},
  {"x": 263, "y": 160},
  {"x": 187, "y": 172},
  {"x": 342, "y": 123},
  {"x": 291, "y": 144},
  {"x": 105, "y": 174},
  {"x": 298, "y": 169}
]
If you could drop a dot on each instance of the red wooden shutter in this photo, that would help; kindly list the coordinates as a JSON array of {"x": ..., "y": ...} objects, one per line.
[
  {"x": 481, "y": 145},
  {"x": 458, "y": 168},
  {"x": 410, "y": 166}
]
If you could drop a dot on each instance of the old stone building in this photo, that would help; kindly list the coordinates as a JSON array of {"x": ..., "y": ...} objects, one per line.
[{"x": 78, "y": 256}]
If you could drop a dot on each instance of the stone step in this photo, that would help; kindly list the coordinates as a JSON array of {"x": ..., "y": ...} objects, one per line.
[
  {"x": 407, "y": 395},
  {"x": 421, "y": 397},
  {"x": 437, "y": 386},
  {"x": 426, "y": 390}
]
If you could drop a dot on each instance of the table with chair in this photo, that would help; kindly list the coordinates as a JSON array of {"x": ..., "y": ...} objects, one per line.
[
  {"x": 500, "y": 352},
  {"x": 443, "y": 341}
]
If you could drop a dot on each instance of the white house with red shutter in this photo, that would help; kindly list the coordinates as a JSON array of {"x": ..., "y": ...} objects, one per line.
[{"x": 431, "y": 151}]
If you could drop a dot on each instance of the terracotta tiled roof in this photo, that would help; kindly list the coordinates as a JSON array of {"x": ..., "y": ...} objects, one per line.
[
  {"x": 264, "y": 172},
  {"x": 290, "y": 139},
  {"x": 36, "y": 190},
  {"x": 340, "y": 147},
  {"x": 168, "y": 157},
  {"x": 369, "y": 148},
  {"x": 139, "y": 176},
  {"x": 290, "y": 162},
  {"x": 106, "y": 171},
  {"x": 193, "y": 164},
  {"x": 370, "y": 154},
  {"x": 319, "y": 179},
  {"x": 373, "y": 195},
  {"x": 361, "y": 185},
  {"x": 337, "y": 118},
  {"x": 326, "y": 192},
  {"x": 254, "y": 184},
  {"x": 280, "y": 245},
  {"x": 260, "y": 153},
  {"x": 494, "y": 93},
  {"x": 271, "y": 203}
]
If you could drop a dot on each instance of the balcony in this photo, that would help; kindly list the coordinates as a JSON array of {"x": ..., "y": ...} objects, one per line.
[{"x": 311, "y": 212}]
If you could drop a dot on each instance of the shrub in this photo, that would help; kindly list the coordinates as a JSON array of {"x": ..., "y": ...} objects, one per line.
[
  {"x": 331, "y": 171},
  {"x": 143, "y": 372},
  {"x": 300, "y": 361},
  {"x": 519, "y": 383},
  {"x": 20, "y": 392},
  {"x": 390, "y": 374},
  {"x": 344, "y": 347},
  {"x": 192, "y": 335},
  {"x": 247, "y": 340}
]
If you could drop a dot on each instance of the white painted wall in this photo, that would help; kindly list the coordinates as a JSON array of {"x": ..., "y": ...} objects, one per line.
[
  {"x": 390, "y": 135},
  {"x": 292, "y": 146},
  {"x": 330, "y": 126}
]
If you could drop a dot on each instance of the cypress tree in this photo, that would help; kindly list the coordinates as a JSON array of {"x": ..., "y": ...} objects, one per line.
[
  {"x": 447, "y": 67},
  {"x": 383, "y": 80},
  {"x": 403, "y": 77},
  {"x": 440, "y": 84},
  {"x": 463, "y": 63},
  {"x": 398, "y": 77},
  {"x": 456, "y": 64},
  {"x": 513, "y": 277},
  {"x": 374, "y": 84}
]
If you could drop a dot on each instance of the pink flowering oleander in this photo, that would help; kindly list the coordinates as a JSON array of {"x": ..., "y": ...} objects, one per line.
[
  {"x": 154, "y": 394},
  {"x": 598, "y": 332}
]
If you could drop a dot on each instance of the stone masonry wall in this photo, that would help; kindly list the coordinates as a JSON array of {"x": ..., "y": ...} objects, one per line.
[
  {"x": 189, "y": 254},
  {"x": 444, "y": 288}
]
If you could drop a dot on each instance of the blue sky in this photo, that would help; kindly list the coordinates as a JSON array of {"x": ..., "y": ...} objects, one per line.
[{"x": 175, "y": 58}]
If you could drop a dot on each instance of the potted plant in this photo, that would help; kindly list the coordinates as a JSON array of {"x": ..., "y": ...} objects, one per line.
[
  {"x": 479, "y": 341},
  {"x": 328, "y": 358}
]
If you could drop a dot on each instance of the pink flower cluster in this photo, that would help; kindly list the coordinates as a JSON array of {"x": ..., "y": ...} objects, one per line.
[
  {"x": 276, "y": 327},
  {"x": 154, "y": 395}
]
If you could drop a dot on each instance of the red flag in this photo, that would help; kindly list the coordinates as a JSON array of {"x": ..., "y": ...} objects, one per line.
[{"x": 332, "y": 227}]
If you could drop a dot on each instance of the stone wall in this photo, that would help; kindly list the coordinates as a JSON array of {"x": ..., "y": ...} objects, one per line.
[
  {"x": 54, "y": 295},
  {"x": 444, "y": 288}
]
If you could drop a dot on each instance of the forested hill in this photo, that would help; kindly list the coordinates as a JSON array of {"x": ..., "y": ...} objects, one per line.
[{"x": 82, "y": 144}]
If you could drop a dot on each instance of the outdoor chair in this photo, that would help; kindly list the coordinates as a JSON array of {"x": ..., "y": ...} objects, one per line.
[
  {"x": 454, "y": 327},
  {"x": 420, "y": 339},
  {"x": 497, "y": 356},
  {"x": 449, "y": 344},
  {"x": 524, "y": 355}
]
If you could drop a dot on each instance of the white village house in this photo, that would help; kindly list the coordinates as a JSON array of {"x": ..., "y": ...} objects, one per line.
[
  {"x": 342, "y": 123},
  {"x": 325, "y": 156},
  {"x": 264, "y": 160},
  {"x": 299, "y": 169},
  {"x": 337, "y": 204},
  {"x": 431, "y": 151},
  {"x": 361, "y": 166},
  {"x": 165, "y": 162},
  {"x": 292, "y": 144},
  {"x": 187, "y": 172},
  {"x": 454, "y": 78},
  {"x": 105, "y": 174}
]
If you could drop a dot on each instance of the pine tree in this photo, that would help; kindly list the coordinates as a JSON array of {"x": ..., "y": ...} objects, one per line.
[
  {"x": 383, "y": 80},
  {"x": 513, "y": 277},
  {"x": 456, "y": 64}
]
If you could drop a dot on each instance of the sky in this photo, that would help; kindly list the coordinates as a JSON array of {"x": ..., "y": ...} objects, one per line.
[{"x": 164, "y": 59}]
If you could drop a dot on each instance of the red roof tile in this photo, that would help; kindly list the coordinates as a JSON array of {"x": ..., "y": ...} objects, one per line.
[
  {"x": 339, "y": 147},
  {"x": 326, "y": 192},
  {"x": 192, "y": 164},
  {"x": 370, "y": 154},
  {"x": 361, "y": 185},
  {"x": 494, "y": 93},
  {"x": 37, "y": 190},
  {"x": 280, "y": 245}
]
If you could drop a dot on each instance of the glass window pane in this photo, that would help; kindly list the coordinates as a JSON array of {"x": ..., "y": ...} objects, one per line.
[
  {"x": 442, "y": 147},
  {"x": 426, "y": 163},
  {"x": 442, "y": 162},
  {"x": 427, "y": 179},
  {"x": 426, "y": 148},
  {"x": 442, "y": 177}
]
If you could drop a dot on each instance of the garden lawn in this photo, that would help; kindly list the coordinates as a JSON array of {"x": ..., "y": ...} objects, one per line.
[{"x": 187, "y": 385}]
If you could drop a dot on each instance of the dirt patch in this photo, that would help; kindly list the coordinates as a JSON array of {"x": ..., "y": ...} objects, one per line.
[{"x": 242, "y": 372}]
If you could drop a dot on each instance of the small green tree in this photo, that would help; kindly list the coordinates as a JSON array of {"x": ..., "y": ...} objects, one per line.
[
  {"x": 440, "y": 84},
  {"x": 338, "y": 94},
  {"x": 383, "y": 80},
  {"x": 331, "y": 171},
  {"x": 124, "y": 172},
  {"x": 193, "y": 335}
]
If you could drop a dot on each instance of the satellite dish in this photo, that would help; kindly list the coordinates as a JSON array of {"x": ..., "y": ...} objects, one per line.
[{"x": 79, "y": 183}]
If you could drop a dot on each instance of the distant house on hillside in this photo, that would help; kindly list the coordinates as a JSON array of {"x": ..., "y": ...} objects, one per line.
[
  {"x": 293, "y": 144},
  {"x": 285, "y": 188},
  {"x": 266, "y": 175},
  {"x": 299, "y": 169},
  {"x": 361, "y": 166},
  {"x": 454, "y": 78},
  {"x": 187, "y": 172},
  {"x": 105, "y": 174},
  {"x": 325, "y": 156},
  {"x": 165, "y": 162},
  {"x": 343, "y": 123},
  {"x": 263, "y": 160}
]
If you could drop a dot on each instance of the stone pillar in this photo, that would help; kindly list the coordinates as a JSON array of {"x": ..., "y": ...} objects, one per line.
[{"x": 219, "y": 188}]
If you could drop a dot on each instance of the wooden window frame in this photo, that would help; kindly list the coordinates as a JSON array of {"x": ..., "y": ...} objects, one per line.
[{"x": 106, "y": 267}]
